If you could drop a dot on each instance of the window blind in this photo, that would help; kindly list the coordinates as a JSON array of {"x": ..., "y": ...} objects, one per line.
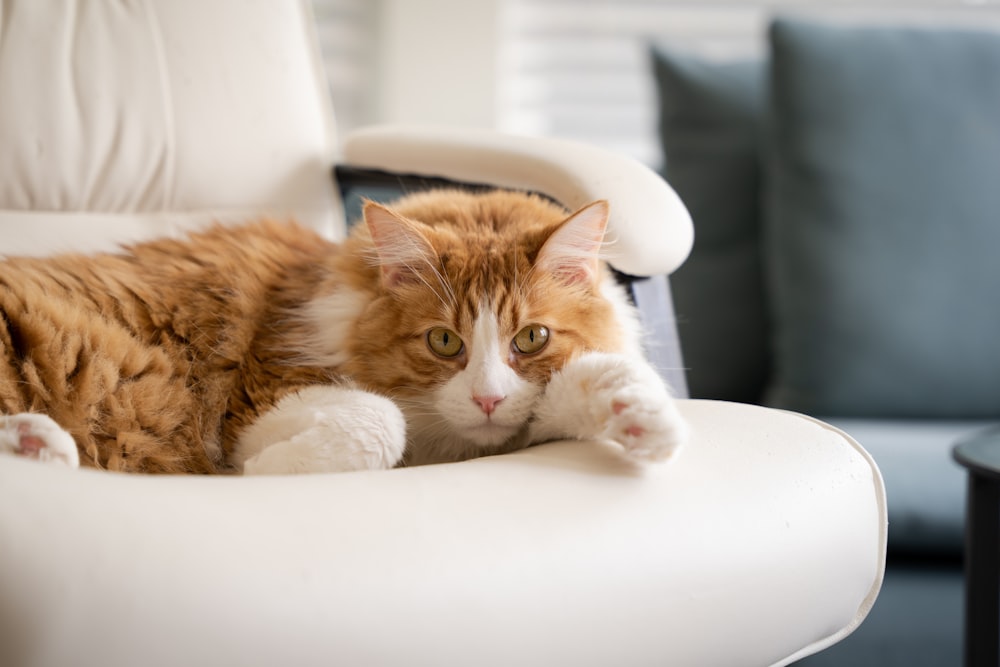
[
  {"x": 346, "y": 30},
  {"x": 580, "y": 69}
]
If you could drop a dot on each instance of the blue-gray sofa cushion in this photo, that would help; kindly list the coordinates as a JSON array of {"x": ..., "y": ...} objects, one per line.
[
  {"x": 924, "y": 487},
  {"x": 883, "y": 227},
  {"x": 710, "y": 117}
]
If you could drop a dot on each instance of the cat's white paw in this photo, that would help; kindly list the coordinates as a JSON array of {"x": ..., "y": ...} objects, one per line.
[
  {"x": 37, "y": 437},
  {"x": 623, "y": 400},
  {"x": 324, "y": 429},
  {"x": 644, "y": 418}
]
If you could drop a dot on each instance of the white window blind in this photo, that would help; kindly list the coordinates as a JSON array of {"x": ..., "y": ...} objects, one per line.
[
  {"x": 347, "y": 37},
  {"x": 580, "y": 68}
]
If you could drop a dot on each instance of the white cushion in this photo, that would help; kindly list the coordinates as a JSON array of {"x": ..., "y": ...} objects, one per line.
[
  {"x": 133, "y": 110},
  {"x": 762, "y": 541}
]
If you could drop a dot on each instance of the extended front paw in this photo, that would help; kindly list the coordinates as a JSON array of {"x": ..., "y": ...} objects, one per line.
[
  {"x": 634, "y": 407},
  {"x": 37, "y": 436},
  {"x": 324, "y": 429},
  {"x": 647, "y": 425}
]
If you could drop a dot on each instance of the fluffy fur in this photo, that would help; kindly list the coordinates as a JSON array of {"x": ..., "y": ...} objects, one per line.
[{"x": 265, "y": 348}]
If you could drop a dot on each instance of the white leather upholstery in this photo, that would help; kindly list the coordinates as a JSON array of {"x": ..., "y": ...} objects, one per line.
[
  {"x": 143, "y": 112},
  {"x": 763, "y": 541}
]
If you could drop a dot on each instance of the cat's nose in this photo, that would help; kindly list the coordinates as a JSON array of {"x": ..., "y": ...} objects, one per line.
[{"x": 487, "y": 403}]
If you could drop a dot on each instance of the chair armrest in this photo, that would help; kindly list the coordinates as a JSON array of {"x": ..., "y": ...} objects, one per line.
[{"x": 650, "y": 230}]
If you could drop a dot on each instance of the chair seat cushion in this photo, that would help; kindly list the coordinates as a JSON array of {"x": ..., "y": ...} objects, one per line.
[{"x": 768, "y": 530}]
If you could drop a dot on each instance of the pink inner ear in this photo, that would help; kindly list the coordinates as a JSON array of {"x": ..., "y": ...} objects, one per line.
[
  {"x": 400, "y": 246},
  {"x": 395, "y": 276},
  {"x": 575, "y": 274},
  {"x": 572, "y": 252}
]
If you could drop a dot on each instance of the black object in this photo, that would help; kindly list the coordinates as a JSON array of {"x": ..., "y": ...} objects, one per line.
[{"x": 980, "y": 454}]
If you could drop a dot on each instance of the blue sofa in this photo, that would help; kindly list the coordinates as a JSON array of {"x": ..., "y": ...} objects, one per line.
[{"x": 846, "y": 202}]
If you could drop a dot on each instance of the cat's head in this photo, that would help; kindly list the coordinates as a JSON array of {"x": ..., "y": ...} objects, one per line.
[{"x": 480, "y": 299}]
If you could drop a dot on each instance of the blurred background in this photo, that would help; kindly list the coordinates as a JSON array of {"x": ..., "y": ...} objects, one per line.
[
  {"x": 570, "y": 68},
  {"x": 842, "y": 183}
]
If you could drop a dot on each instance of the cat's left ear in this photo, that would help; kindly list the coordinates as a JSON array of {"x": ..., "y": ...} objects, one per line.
[
  {"x": 402, "y": 249},
  {"x": 573, "y": 251}
]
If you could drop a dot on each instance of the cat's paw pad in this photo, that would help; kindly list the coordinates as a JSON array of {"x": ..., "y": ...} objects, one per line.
[
  {"x": 36, "y": 436},
  {"x": 635, "y": 408},
  {"x": 647, "y": 425}
]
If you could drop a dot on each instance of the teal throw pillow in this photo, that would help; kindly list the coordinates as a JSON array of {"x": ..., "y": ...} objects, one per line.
[
  {"x": 710, "y": 127},
  {"x": 883, "y": 225}
]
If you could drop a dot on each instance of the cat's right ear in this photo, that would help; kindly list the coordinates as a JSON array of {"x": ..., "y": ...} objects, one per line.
[
  {"x": 573, "y": 251},
  {"x": 401, "y": 248}
]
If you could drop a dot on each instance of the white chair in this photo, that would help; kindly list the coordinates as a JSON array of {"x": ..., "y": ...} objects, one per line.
[{"x": 762, "y": 542}]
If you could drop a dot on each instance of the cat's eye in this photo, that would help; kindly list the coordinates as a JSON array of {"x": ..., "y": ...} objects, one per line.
[
  {"x": 531, "y": 339},
  {"x": 444, "y": 342}
]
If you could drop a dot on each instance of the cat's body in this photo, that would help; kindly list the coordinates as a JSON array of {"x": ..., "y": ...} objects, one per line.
[{"x": 442, "y": 329}]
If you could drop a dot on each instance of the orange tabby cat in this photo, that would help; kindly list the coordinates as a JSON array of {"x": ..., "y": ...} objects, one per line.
[{"x": 450, "y": 325}]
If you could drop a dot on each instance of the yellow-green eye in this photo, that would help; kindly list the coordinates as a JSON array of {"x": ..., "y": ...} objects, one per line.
[
  {"x": 531, "y": 339},
  {"x": 444, "y": 342}
]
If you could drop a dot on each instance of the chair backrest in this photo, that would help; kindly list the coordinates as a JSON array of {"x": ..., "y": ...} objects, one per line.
[{"x": 125, "y": 120}]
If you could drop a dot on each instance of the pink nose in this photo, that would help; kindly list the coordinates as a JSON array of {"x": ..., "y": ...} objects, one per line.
[{"x": 487, "y": 403}]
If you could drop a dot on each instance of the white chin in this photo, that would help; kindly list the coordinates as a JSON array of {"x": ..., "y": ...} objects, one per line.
[{"x": 488, "y": 435}]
